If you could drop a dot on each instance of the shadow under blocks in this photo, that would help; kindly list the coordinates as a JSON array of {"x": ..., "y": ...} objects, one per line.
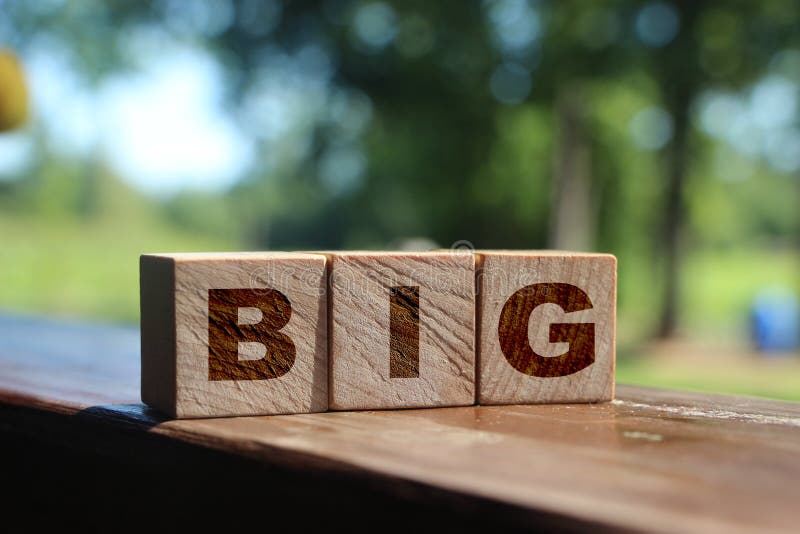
[{"x": 259, "y": 333}]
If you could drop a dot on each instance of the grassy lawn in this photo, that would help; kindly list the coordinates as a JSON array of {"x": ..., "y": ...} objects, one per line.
[
  {"x": 713, "y": 352},
  {"x": 719, "y": 287},
  {"x": 771, "y": 379},
  {"x": 87, "y": 269}
]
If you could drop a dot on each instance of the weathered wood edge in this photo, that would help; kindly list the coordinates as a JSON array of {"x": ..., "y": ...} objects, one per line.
[{"x": 117, "y": 430}]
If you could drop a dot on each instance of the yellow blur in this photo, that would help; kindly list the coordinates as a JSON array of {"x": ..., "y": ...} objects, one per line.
[{"x": 13, "y": 92}]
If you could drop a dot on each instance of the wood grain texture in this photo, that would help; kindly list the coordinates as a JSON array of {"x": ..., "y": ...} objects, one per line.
[
  {"x": 372, "y": 324},
  {"x": 194, "y": 332},
  {"x": 546, "y": 327},
  {"x": 652, "y": 460}
]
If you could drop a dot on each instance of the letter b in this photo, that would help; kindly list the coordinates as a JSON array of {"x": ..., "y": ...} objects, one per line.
[{"x": 225, "y": 333}]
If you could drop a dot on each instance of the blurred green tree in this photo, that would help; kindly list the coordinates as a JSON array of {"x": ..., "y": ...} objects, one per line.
[{"x": 506, "y": 123}]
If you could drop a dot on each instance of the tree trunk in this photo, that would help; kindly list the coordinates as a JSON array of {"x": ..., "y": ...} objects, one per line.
[
  {"x": 572, "y": 212},
  {"x": 679, "y": 102},
  {"x": 680, "y": 77}
]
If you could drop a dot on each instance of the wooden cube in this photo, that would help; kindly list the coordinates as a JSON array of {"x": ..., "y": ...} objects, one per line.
[
  {"x": 546, "y": 327},
  {"x": 227, "y": 334},
  {"x": 401, "y": 329}
]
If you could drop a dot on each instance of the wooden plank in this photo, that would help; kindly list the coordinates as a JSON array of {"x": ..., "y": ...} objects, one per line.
[
  {"x": 652, "y": 460},
  {"x": 401, "y": 329},
  {"x": 228, "y": 334},
  {"x": 546, "y": 326}
]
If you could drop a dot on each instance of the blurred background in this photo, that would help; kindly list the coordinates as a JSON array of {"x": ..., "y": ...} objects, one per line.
[{"x": 667, "y": 133}]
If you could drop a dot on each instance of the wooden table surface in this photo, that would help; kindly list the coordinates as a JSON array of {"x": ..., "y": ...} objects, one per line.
[{"x": 653, "y": 460}]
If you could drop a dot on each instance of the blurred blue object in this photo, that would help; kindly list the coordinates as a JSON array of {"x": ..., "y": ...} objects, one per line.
[{"x": 775, "y": 320}]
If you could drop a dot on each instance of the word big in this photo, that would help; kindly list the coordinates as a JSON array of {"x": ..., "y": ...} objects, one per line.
[{"x": 279, "y": 332}]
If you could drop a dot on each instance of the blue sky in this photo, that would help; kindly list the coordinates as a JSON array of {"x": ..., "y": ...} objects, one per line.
[{"x": 163, "y": 127}]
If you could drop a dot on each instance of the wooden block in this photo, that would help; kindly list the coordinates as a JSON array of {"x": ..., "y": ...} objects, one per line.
[
  {"x": 546, "y": 327},
  {"x": 401, "y": 329},
  {"x": 227, "y": 334}
]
